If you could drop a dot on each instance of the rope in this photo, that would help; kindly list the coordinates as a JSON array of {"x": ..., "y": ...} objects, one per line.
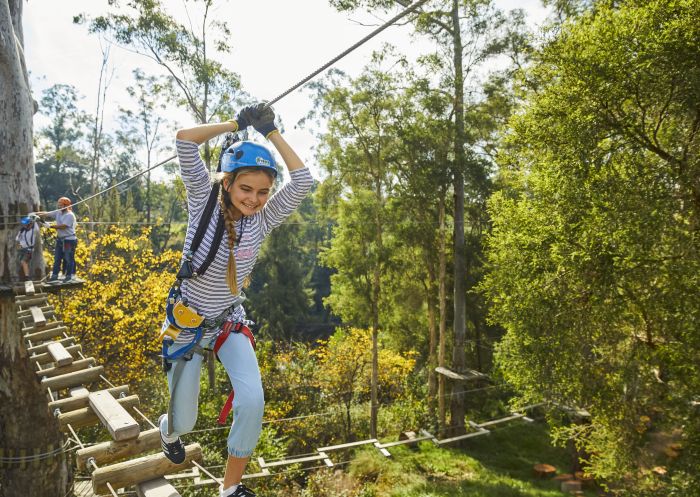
[
  {"x": 279, "y": 97},
  {"x": 381, "y": 28}
]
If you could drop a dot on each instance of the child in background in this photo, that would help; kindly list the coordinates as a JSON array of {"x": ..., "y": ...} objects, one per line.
[{"x": 26, "y": 238}]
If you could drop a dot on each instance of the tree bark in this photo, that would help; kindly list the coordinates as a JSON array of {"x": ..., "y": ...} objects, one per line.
[
  {"x": 25, "y": 422},
  {"x": 457, "y": 409},
  {"x": 442, "y": 336}
]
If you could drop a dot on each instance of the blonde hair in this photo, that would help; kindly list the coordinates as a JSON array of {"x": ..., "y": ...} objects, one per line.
[{"x": 226, "y": 180}]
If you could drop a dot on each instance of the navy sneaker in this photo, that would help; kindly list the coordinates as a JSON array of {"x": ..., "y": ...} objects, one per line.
[
  {"x": 243, "y": 491},
  {"x": 175, "y": 451}
]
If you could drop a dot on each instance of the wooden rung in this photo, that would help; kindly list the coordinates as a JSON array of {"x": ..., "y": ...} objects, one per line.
[
  {"x": 70, "y": 368},
  {"x": 133, "y": 471},
  {"x": 38, "y": 299},
  {"x": 287, "y": 462},
  {"x": 60, "y": 355},
  {"x": 47, "y": 334},
  {"x": 78, "y": 418},
  {"x": 446, "y": 441},
  {"x": 158, "y": 487},
  {"x": 80, "y": 399},
  {"x": 109, "y": 452},
  {"x": 46, "y": 357},
  {"x": 27, "y": 313},
  {"x": 44, "y": 347},
  {"x": 406, "y": 441},
  {"x": 469, "y": 375},
  {"x": 114, "y": 417},
  {"x": 345, "y": 446},
  {"x": 68, "y": 380},
  {"x": 501, "y": 420},
  {"x": 29, "y": 287}
]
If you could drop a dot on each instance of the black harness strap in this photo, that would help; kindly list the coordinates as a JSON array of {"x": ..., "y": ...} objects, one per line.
[{"x": 186, "y": 269}]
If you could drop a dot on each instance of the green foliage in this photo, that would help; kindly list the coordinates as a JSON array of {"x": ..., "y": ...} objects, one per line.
[
  {"x": 206, "y": 87},
  {"x": 594, "y": 255}
]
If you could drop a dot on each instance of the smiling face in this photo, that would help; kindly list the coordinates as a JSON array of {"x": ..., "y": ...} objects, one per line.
[{"x": 250, "y": 191}]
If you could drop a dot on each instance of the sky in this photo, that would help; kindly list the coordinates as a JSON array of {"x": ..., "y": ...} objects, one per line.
[{"x": 275, "y": 44}]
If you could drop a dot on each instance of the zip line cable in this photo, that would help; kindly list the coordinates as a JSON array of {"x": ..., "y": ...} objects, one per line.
[{"x": 279, "y": 97}]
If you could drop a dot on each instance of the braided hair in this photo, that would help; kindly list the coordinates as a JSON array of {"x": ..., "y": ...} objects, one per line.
[{"x": 225, "y": 181}]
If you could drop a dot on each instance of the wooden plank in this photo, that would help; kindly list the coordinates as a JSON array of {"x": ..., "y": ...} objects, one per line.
[
  {"x": 79, "y": 392},
  {"x": 446, "y": 441},
  {"x": 27, "y": 313},
  {"x": 133, "y": 471},
  {"x": 26, "y": 300},
  {"x": 73, "y": 379},
  {"x": 345, "y": 446},
  {"x": 119, "y": 423},
  {"x": 407, "y": 441},
  {"x": 158, "y": 487},
  {"x": 61, "y": 356},
  {"x": 75, "y": 366},
  {"x": 287, "y": 462},
  {"x": 80, "y": 399},
  {"x": 44, "y": 347},
  {"x": 51, "y": 313},
  {"x": 46, "y": 357},
  {"x": 500, "y": 420},
  {"x": 37, "y": 316},
  {"x": 85, "y": 416},
  {"x": 29, "y": 287},
  {"x": 109, "y": 452},
  {"x": 50, "y": 330},
  {"x": 470, "y": 375}
]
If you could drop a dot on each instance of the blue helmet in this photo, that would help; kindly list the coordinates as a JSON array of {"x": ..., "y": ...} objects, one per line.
[
  {"x": 25, "y": 220},
  {"x": 247, "y": 154}
]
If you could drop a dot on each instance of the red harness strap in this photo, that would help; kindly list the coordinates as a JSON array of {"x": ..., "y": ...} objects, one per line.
[{"x": 226, "y": 330}]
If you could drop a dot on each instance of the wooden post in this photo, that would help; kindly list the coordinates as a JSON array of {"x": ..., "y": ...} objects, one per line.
[
  {"x": 70, "y": 368},
  {"x": 113, "y": 416},
  {"x": 52, "y": 330},
  {"x": 29, "y": 287},
  {"x": 37, "y": 316},
  {"x": 145, "y": 468},
  {"x": 73, "y": 379},
  {"x": 80, "y": 400},
  {"x": 43, "y": 347},
  {"x": 86, "y": 416},
  {"x": 109, "y": 452},
  {"x": 60, "y": 355},
  {"x": 46, "y": 357},
  {"x": 39, "y": 298},
  {"x": 158, "y": 487}
]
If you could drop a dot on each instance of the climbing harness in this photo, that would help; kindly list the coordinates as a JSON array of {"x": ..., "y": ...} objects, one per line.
[{"x": 180, "y": 317}]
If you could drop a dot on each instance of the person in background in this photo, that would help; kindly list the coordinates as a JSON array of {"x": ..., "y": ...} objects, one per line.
[
  {"x": 26, "y": 238},
  {"x": 66, "y": 241}
]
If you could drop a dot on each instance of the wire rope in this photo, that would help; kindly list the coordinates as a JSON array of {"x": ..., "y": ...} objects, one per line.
[{"x": 325, "y": 66}]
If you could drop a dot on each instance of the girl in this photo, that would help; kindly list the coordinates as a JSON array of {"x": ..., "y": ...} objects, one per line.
[{"x": 250, "y": 212}]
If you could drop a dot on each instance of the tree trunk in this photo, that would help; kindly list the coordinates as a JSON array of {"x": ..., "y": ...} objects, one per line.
[
  {"x": 18, "y": 191},
  {"x": 458, "y": 353},
  {"x": 442, "y": 297},
  {"x": 433, "y": 339},
  {"x": 25, "y": 422}
]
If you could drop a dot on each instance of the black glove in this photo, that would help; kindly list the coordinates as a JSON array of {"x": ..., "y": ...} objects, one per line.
[
  {"x": 244, "y": 117},
  {"x": 263, "y": 119}
]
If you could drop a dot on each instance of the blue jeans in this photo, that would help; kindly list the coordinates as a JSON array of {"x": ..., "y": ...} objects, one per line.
[
  {"x": 238, "y": 358},
  {"x": 64, "y": 253}
]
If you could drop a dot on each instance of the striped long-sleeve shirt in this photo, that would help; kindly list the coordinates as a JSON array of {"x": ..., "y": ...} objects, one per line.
[{"x": 209, "y": 294}]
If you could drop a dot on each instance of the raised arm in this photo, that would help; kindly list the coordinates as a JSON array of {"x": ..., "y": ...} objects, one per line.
[{"x": 204, "y": 132}]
